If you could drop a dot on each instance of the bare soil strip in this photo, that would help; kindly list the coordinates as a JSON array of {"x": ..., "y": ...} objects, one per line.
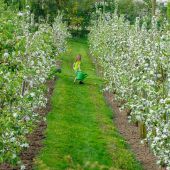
[{"x": 132, "y": 135}]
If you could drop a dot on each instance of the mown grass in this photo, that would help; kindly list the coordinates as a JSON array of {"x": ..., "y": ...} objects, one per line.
[{"x": 80, "y": 129}]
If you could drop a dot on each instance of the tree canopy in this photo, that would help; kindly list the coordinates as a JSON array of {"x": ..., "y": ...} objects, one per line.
[{"x": 77, "y": 13}]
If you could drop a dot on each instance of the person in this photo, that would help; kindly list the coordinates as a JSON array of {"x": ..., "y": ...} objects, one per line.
[{"x": 77, "y": 66}]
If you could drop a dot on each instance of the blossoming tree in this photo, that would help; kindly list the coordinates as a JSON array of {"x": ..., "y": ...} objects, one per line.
[
  {"x": 28, "y": 51},
  {"x": 135, "y": 64}
]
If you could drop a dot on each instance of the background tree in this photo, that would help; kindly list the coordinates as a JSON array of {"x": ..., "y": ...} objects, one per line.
[
  {"x": 77, "y": 13},
  {"x": 168, "y": 11},
  {"x": 130, "y": 8}
]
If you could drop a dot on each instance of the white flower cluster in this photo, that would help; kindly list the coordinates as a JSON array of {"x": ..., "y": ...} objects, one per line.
[
  {"x": 136, "y": 66},
  {"x": 27, "y": 54}
]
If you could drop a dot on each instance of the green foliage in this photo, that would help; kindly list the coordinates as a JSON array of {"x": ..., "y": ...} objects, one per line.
[
  {"x": 77, "y": 13},
  {"x": 129, "y": 9}
]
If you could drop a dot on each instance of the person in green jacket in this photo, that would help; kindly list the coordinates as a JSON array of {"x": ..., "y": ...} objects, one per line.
[{"x": 76, "y": 66}]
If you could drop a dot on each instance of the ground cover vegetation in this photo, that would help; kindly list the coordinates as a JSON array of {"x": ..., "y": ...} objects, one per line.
[{"x": 80, "y": 132}]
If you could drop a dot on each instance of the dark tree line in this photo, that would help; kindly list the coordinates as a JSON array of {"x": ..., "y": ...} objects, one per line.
[{"x": 77, "y": 13}]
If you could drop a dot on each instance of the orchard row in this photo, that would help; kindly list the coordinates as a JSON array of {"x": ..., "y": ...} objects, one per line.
[
  {"x": 28, "y": 52},
  {"x": 135, "y": 61}
]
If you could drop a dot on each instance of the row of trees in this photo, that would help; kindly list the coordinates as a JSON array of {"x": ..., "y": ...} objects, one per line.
[
  {"x": 135, "y": 63},
  {"x": 28, "y": 53}
]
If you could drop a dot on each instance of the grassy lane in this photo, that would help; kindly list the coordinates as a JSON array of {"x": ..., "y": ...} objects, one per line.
[{"x": 80, "y": 128}]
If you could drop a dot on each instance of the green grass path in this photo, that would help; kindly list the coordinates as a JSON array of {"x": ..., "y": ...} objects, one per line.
[{"x": 80, "y": 128}]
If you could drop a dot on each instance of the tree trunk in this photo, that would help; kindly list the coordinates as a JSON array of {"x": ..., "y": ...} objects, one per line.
[
  {"x": 59, "y": 3},
  {"x": 104, "y": 6},
  {"x": 23, "y": 88},
  {"x": 153, "y": 7}
]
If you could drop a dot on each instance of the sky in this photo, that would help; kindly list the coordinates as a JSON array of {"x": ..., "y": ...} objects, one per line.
[
  {"x": 159, "y": 0},
  {"x": 162, "y": 0}
]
